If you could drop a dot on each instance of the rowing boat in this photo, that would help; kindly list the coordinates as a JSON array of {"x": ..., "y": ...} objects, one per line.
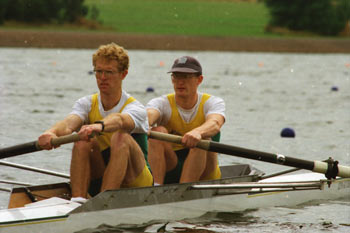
[{"x": 46, "y": 208}]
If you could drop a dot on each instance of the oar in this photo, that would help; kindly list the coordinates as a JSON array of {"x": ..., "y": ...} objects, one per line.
[
  {"x": 16, "y": 183},
  {"x": 330, "y": 169},
  {"x": 5, "y": 190},
  {"x": 34, "y": 169},
  {"x": 34, "y": 146}
]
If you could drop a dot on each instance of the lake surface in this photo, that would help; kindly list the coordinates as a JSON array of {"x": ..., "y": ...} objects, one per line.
[{"x": 264, "y": 93}]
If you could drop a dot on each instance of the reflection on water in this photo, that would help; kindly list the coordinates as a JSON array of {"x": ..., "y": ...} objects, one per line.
[
  {"x": 264, "y": 93},
  {"x": 266, "y": 220}
]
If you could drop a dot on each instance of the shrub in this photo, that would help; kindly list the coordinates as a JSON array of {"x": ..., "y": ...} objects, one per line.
[
  {"x": 42, "y": 10},
  {"x": 325, "y": 17}
]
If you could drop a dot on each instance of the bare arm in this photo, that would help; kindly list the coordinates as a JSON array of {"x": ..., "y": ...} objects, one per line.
[
  {"x": 112, "y": 122},
  {"x": 153, "y": 116},
  {"x": 67, "y": 126},
  {"x": 209, "y": 128},
  {"x": 116, "y": 121}
]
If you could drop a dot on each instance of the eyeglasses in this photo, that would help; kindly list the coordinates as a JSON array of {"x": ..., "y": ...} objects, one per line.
[
  {"x": 183, "y": 76},
  {"x": 107, "y": 73}
]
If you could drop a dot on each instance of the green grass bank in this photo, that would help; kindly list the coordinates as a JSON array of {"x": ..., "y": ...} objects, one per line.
[
  {"x": 183, "y": 17},
  {"x": 202, "y": 25}
]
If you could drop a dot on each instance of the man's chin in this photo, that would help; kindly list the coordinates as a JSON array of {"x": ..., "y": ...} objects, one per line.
[
  {"x": 181, "y": 94},
  {"x": 180, "y": 91},
  {"x": 103, "y": 88}
]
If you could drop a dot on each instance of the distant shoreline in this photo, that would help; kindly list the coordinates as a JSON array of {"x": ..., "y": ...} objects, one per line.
[{"x": 91, "y": 40}]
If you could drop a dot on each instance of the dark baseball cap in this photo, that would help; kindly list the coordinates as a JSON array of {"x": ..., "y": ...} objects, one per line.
[{"x": 186, "y": 64}]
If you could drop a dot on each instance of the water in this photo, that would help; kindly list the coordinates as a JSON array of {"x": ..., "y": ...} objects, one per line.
[{"x": 264, "y": 93}]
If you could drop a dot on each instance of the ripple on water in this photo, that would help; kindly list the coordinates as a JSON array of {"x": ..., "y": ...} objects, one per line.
[{"x": 262, "y": 96}]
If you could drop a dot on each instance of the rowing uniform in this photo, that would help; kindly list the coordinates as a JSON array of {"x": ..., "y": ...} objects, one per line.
[
  {"x": 180, "y": 121},
  {"x": 90, "y": 109}
]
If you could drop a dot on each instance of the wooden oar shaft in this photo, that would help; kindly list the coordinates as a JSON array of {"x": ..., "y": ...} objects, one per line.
[
  {"x": 203, "y": 144},
  {"x": 33, "y": 146},
  {"x": 65, "y": 139},
  {"x": 316, "y": 166}
]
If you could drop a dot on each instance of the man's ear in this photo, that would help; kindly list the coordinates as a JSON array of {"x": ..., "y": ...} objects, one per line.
[
  {"x": 124, "y": 73},
  {"x": 200, "y": 79}
]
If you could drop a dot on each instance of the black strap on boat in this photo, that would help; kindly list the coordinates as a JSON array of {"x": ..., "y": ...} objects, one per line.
[
  {"x": 30, "y": 194},
  {"x": 332, "y": 170}
]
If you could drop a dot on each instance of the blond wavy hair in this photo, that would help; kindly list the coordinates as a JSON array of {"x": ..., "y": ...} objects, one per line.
[{"x": 111, "y": 52}]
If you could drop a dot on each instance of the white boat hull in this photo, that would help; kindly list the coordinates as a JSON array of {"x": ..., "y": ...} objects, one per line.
[{"x": 151, "y": 206}]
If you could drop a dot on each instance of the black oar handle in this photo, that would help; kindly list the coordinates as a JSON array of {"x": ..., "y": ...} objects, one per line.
[
  {"x": 33, "y": 146},
  {"x": 331, "y": 170},
  {"x": 18, "y": 149},
  {"x": 262, "y": 156}
]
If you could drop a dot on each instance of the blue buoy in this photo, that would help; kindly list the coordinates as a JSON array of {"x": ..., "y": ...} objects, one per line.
[
  {"x": 287, "y": 133},
  {"x": 150, "y": 89},
  {"x": 334, "y": 88}
]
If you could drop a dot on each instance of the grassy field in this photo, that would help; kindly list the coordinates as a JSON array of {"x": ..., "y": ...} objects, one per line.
[{"x": 183, "y": 17}]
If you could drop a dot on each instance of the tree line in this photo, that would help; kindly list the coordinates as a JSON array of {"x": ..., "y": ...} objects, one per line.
[
  {"x": 38, "y": 11},
  {"x": 324, "y": 17}
]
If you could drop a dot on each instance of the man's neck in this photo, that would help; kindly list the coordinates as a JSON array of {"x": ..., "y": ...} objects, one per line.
[
  {"x": 109, "y": 101},
  {"x": 187, "y": 102}
]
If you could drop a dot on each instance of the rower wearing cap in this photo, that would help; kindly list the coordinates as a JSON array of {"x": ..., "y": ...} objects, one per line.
[{"x": 188, "y": 113}]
